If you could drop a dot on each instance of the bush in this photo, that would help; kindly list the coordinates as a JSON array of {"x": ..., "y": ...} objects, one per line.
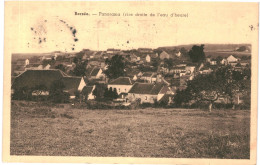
[
  {"x": 60, "y": 97},
  {"x": 67, "y": 116}
]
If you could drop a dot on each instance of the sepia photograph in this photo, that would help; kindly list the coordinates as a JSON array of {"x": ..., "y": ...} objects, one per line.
[{"x": 130, "y": 82}]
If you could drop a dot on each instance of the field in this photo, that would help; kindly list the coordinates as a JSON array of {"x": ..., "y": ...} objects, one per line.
[
  {"x": 61, "y": 130},
  {"x": 226, "y": 54}
]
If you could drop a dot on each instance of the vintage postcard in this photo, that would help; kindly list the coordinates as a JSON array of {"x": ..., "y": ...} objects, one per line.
[{"x": 131, "y": 82}]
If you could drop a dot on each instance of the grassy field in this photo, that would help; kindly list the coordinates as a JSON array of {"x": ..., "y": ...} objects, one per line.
[
  {"x": 226, "y": 54},
  {"x": 60, "y": 130}
]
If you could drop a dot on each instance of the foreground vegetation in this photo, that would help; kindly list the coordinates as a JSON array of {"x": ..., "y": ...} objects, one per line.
[{"x": 61, "y": 130}]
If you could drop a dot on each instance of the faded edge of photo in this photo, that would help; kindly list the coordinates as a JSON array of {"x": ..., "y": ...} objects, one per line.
[{"x": 119, "y": 160}]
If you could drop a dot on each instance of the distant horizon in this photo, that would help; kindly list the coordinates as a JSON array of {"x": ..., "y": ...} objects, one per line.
[{"x": 180, "y": 45}]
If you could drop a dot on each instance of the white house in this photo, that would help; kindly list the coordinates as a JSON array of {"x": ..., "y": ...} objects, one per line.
[
  {"x": 147, "y": 92},
  {"x": 213, "y": 62},
  {"x": 33, "y": 78},
  {"x": 178, "y": 54},
  {"x": 148, "y": 58},
  {"x": 190, "y": 68},
  {"x": 121, "y": 84},
  {"x": 148, "y": 77},
  {"x": 94, "y": 73},
  {"x": 135, "y": 78},
  {"x": 231, "y": 59},
  {"x": 47, "y": 66},
  {"x": 164, "y": 55},
  {"x": 89, "y": 91},
  {"x": 224, "y": 61},
  {"x": 27, "y": 62}
]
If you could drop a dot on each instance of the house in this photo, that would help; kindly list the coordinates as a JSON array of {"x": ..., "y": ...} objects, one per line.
[
  {"x": 87, "y": 55},
  {"x": 208, "y": 59},
  {"x": 244, "y": 64},
  {"x": 224, "y": 61},
  {"x": 148, "y": 58},
  {"x": 121, "y": 84},
  {"x": 33, "y": 67},
  {"x": 164, "y": 55},
  {"x": 112, "y": 51},
  {"x": 178, "y": 69},
  {"x": 18, "y": 69},
  {"x": 147, "y": 92},
  {"x": 27, "y": 62},
  {"x": 213, "y": 62},
  {"x": 48, "y": 66},
  {"x": 233, "y": 63},
  {"x": 94, "y": 73},
  {"x": 135, "y": 77},
  {"x": 34, "y": 78},
  {"x": 145, "y": 50},
  {"x": 182, "y": 73},
  {"x": 134, "y": 58},
  {"x": 190, "y": 68},
  {"x": 98, "y": 54},
  {"x": 23, "y": 62},
  {"x": 87, "y": 92},
  {"x": 178, "y": 54},
  {"x": 231, "y": 59},
  {"x": 148, "y": 77},
  {"x": 205, "y": 70}
]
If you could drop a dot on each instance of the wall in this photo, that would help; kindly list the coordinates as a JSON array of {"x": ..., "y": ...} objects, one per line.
[
  {"x": 120, "y": 88},
  {"x": 145, "y": 98}
]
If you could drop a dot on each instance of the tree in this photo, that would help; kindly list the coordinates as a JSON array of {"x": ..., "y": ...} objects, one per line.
[
  {"x": 155, "y": 62},
  {"x": 219, "y": 59},
  {"x": 168, "y": 63},
  {"x": 80, "y": 68},
  {"x": 106, "y": 93},
  {"x": 115, "y": 94},
  {"x": 182, "y": 96},
  {"x": 116, "y": 67},
  {"x": 110, "y": 94},
  {"x": 241, "y": 49},
  {"x": 23, "y": 93},
  {"x": 77, "y": 95},
  {"x": 99, "y": 91},
  {"x": 183, "y": 51},
  {"x": 46, "y": 62},
  {"x": 38, "y": 89},
  {"x": 60, "y": 67},
  {"x": 225, "y": 81},
  {"x": 57, "y": 94},
  {"x": 197, "y": 54}
]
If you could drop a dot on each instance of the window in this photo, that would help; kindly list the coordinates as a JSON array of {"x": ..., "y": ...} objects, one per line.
[
  {"x": 118, "y": 89},
  {"x": 145, "y": 97}
]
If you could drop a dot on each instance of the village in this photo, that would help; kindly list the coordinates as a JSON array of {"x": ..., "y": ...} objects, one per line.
[{"x": 151, "y": 76}]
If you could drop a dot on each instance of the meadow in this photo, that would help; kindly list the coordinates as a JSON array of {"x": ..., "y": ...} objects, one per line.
[{"x": 62, "y": 130}]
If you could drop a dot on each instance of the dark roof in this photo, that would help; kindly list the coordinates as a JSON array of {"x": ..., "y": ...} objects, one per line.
[
  {"x": 179, "y": 67},
  {"x": 87, "y": 89},
  {"x": 121, "y": 81},
  {"x": 32, "y": 78},
  {"x": 191, "y": 65},
  {"x": 12, "y": 79},
  {"x": 122, "y": 94},
  {"x": 165, "y": 98},
  {"x": 147, "y": 74},
  {"x": 71, "y": 83},
  {"x": 94, "y": 72},
  {"x": 146, "y": 88}
]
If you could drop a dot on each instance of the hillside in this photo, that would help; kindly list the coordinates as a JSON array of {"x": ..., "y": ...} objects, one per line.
[{"x": 211, "y": 47}]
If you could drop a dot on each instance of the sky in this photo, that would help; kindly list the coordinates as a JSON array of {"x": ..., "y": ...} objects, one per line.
[{"x": 37, "y": 27}]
